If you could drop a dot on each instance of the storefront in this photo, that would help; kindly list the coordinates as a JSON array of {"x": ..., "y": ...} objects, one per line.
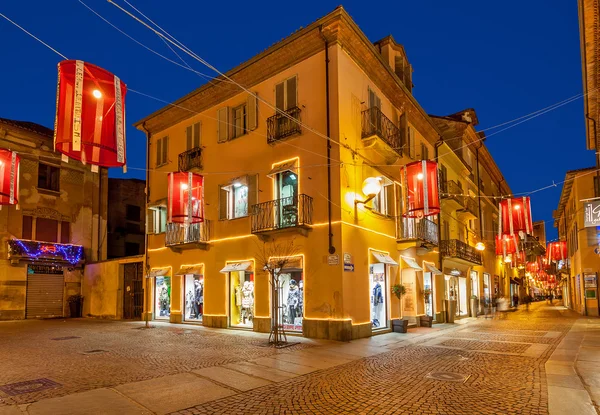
[
  {"x": 379, "y": 290},
  {"x": 162, "y": 292},
  {"x": 456, "y": 289},
  {"x": 475, "y": 294},
  {"x": 193, "y": 292},
  {"x": 240, "y": 280},
  {"x": 430, "y": 296},
  {"x": 291, "y": 295},
  {"x": 487, "y": 289},
  {"x": 410, "y": 275}
]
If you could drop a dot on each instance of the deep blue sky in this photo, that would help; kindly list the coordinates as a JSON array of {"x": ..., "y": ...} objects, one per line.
[{"x": 505, "y": 59}]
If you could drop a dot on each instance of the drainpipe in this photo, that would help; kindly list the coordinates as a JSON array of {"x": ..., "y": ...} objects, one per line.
[
  {"x": 330, "y": 233},
  {"x": 147, "y": 191},
  {"x": 439, "y": 226},
  {"x": 99, "y": 249},
  {"x": 596, "y": 193}
]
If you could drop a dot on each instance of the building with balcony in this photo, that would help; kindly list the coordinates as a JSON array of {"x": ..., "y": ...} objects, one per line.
[
  {"x": 328, "y": 110},
  {"x": 579, "y": 271},
  {"x": 59, "y": 225},
  {"x": 471, "y": 185}
]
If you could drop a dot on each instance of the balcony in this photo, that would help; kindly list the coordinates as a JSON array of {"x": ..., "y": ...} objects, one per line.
[
  {"x": 471, "y": 208},
  {"x": 282, "y": 214},
  {"x": 280, "y": 126},
  {"x": 187, "y": 236},
  {"x": 191, "y": 160},
  {"x": 420, "y": 230},
  {"x": 455, "y": 249},
  {"x": 452, "y": 193},
  {"x": 375, "y": 126}
]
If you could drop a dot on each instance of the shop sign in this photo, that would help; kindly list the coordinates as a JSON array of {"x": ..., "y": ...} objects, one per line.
[
  {"x": 333, "y": 259},
  {"x": 348, "y": 262},
  {"x": 590, "y": 280},
  {"x": 591, "y": 214}
]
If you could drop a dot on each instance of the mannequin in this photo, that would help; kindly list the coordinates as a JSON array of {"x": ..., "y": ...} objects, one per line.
[
  {"x": 300, "y": 312},
  {"x": 377, "y": 303},
  {"x": 198, "y": 298},
  {"x": 247, "y": 301},
  {"x": 163, "y": 300},
  {"x": 293, "y": 302},
  {"x": 238, "y": 301},
  {"x": 189, "y": 304}
]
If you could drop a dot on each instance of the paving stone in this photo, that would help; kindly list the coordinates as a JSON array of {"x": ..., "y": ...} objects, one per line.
[{"x": 232, "y": 378}]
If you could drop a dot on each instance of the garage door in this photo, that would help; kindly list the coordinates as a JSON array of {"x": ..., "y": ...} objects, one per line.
[{"x": 44, "y": 296}]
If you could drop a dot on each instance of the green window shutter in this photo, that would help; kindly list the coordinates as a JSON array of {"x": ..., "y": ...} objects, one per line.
[
  {"x": 158, "y": 152},
  {"x": 197, "y": 135},
  {"x": 222, "y": 124},
  {"x": 165, "y": 150},
  {"x": 291, "y": 93}
]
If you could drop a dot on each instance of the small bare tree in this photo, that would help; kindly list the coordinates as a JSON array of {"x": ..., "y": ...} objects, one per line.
[{"x": 273, "y": 257}]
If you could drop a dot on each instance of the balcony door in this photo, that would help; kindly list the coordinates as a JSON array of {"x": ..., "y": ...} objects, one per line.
[{"x": 286, "y": 189}]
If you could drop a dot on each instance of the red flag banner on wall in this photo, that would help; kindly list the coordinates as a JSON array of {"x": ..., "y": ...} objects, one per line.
[
  {"x": 90, "y": 114},
  {"x": 9, "y": 177},
  {"x": 422, "y": 196},
  {"x": 186, "y": 198},
  {"x": 515, "y": 216}
]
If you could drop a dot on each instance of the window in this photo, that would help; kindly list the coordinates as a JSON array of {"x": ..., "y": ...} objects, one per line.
[
  {"x": 162, "y": 147},
  {"x": 239, "y": 121},
  {"x": 443, "y": 179},
  {"x": 48, "y": 177},
  {"x": 399, "y": 67},
  {"x": 65, "y": 232},
  {"x": 445, "y": 230},
  {"x": 424, "y": 151},
  {"x": 383, "y": 202},
  {"x": 133, "y": 213},
  {"x": 236, "y": 199},
  {"x": 374, "y": 100},
  {"x": 410, "y": 143},
  {"x": 27, "y": 227},
  {"x": 286, "y": 96},
  {"x": 46, "y": 230},
  {"x": 192, "y": 134},
  {"x": 157, "y": 219},
  {"x": 132, "y": 248}
]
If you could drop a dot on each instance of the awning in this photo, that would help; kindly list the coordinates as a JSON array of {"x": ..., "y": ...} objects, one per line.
[
  {"x": 433, "y": 269},
  {"x": 159, "y": 272},
  {"x": 287, "y": 166},
  {"x": 384, "y": 258},
  {"x": 190, "y": 269},
  {"x": 237, "y": 266},
  {"x": 293, "y": 264},
  {"x": 412, "y": 263}
]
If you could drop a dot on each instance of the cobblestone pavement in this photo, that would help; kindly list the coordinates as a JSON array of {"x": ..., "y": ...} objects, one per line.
[
  {"x": 121, "y": 352},
  {"x": 487, "y": 366},
  {"x": 395, "y": 382}
]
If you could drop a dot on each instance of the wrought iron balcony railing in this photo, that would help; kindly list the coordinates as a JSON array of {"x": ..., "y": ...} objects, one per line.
[
  {"x": 279, "y": 126},
  {"x": 182, "y": 234},
  {"x": 288, "y": 212},
  {"x": 471, "y": 206},
  {"x": 452, "y": 190},
  {"x": 374, "y": 123},
  {"x": 190, "y": 159},
  {"x": 418, "y": 229},
  {"x": 453, "y": 248}
]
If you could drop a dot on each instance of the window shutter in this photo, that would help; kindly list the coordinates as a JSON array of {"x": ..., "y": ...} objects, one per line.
[
  {"x": 399, "y": 67},
  {"x": 390, "y": 200},
  {"x": 65, "y": 232},
  {"x": 411, "y": 142},
  {"x": 404, "y": 133},
  {"x": 158, "y": 152},
  {"x": 252, "y": 181},
  {"x": 279, "y": 96},
  {"x": 150, "y": 221},
  {"x": 188, "y": 135},
  {"x": 222, "y": 124},
  {"x": 252, "y": 112},
  {"x": 197, "y": 134},
  {"x": 408, "y": 77},
  {"x": 223, "y": 195},
  {"x": 291, "y": 93},
  {"x": 27, "y": 227},
  {"x": 165, "y": 149}
]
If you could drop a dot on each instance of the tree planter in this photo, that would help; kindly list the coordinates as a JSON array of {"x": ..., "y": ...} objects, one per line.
[
  {"x": 399, "y": 325},
  {"x": 425, "y": 321}
]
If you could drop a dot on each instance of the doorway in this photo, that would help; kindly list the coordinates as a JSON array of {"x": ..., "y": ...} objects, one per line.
[
  {"x": 379, "y": 296},
  {"x": 286, "y": 187},
  {"x": 45, "y": 291},
  {"x": 462, "y": 297},
  {"x": 133, "y": 291},
  {"x": 162, "y": 298},
  {"x": 428, "y": 293}
]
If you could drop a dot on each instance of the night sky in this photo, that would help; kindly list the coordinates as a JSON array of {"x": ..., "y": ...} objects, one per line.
[{"x": 505, "y": 59}]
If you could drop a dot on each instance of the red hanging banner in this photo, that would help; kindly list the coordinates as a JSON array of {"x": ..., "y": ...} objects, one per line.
[
  {"x": 505, "y": 245},
  {"x": 90, "y": 114},
  {"x": 556, "y": 251},
  {"x": 9, "y": 177},
  {"x": 515, "y": 216},
  {"x": 186, "y": 198},
  {"x": 422, "y": 196}
]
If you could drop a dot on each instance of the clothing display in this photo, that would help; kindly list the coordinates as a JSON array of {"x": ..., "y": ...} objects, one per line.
[
  {"x": 378, "y": 295},
  {"x": 291, "y": 300},
  {"x": 194, "y": 298},
  {"x": 163, "y": 297},
  {"x": 241, "y": 299}
]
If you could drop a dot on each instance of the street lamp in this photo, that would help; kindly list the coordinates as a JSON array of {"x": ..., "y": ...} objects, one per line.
[
  {"x": 480, "y": 246},
  {"x": 371, "y": 188}
]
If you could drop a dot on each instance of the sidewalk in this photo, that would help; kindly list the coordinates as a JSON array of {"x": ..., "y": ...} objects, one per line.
[{"x": 573, "y": 371}]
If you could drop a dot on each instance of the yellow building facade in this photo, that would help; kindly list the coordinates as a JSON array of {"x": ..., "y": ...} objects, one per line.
[{"x": 327, "y": 109}]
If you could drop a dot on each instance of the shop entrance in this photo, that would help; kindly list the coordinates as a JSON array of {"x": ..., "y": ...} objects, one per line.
[
  {"x": 194, "y": 297},
  {"x": 487, "y": 293},
  {"x": 428, "y": 292},
  {"x": 162, "y": 298},
  {"x": 379, "y": 296},
  {"x": 462, "y": 297},
  {"x": 45, "y": 291},
  {"x": 291, "y": 295},
  {"x": 241, "y": 300},
  {"x": 133, "y": 292}
]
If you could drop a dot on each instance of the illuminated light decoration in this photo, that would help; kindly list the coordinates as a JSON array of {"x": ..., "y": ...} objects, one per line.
[
  {"x": 556, "y": 251},
  {"x": 506, "y": 245},
  {"x": 90, "y": 115},
  {"x": 515, "y": 216},
  {"x": 480, "y": 246},
  {"x": 9, "y": 177},
  {"x": 186, "y": 198},
  {"x": 45, "y": 251},
  {"x": 422, "y": 192}
]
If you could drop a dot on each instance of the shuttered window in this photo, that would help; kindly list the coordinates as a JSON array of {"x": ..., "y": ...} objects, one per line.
[
  {"x": 252, "y": 109},
  {"x": 162, "y": 151},
  {"x": 240, "y": 120},
  {"x": 236, "y": 199},
  {"x": 156, "y": 220},
  {"x": 223, "y": 124},
  {"x": 27, "y": 227},
  {"x": 424, "y": 151},
  {"x": 46, "y": 230},
  {"x": 192, "y": 134},
  {"x": 384, "y": 202},
  {"x": 286, "y": 95},
  {"x": 410, "y": 144},
  {"x": 49, "y": 177}
]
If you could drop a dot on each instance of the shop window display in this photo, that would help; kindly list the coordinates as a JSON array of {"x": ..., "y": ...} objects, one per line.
[
  {"x": 194, "y": 297},
  {"x": 162, "y": 298},
  {"x": 291, "y": 300},
  {"x": 428, "y": 293},
  {"x": 241, "y": 285},
  {"x": 378, "y": 295}
]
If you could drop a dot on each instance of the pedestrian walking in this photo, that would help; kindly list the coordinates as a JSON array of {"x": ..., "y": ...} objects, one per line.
[{"x": 551, "y": 297}]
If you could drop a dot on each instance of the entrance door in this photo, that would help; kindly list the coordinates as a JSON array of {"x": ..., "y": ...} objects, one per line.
[
  {"x": 428, "y": 293},
  {"x": 379, "y": 296},
  {"x": 462, "y": 296},
  {"x": 241, "y": 300},
  {"x": 133, "y": 291},
  {"x": 44, "y": 294}
]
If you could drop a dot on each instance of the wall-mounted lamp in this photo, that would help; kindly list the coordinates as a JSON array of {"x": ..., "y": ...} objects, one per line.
[
  {"x": 480, "y": 246},
  {"x": 371, "y": 188}
]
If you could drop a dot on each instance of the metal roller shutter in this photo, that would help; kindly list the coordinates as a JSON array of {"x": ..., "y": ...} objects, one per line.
[{"x": 44, "y": 296}]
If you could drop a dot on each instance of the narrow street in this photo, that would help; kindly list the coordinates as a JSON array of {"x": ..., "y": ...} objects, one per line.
[{"x": 479, "y": 366}]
